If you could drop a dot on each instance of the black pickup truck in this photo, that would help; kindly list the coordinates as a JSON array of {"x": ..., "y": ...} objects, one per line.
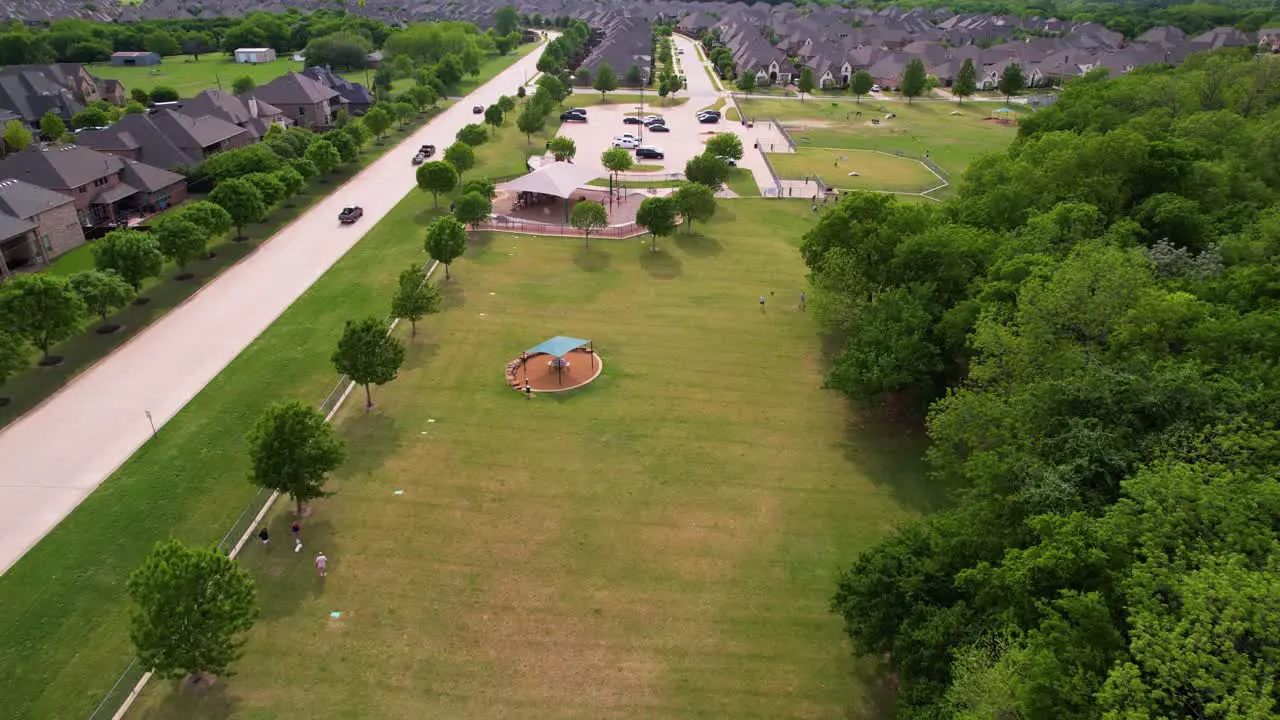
[
  {"x": 350, "y": 214},
  {"x": 424, "y": 153}
]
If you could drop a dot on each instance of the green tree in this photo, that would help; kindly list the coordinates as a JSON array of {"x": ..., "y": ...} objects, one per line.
[
  {"x": 658, "y": 216},
  {"x": 460, "y": 156},
  {"x": 707, "y": 169},
  {"x": 179, "y": 239},
  {"x": 483, "y": 186},
  {"x": 161, "y": 43},
  {"x": 589, "y": 217},
  {"x": 746, "y": 81},
  {"x": 269, "y": 189},
  {"x": 1012, "y": 81},
  {"x": 41, "y": 308},
  {"x": 695, "y": 201},
  {"x": 402, "y": 66},
  {"x": 292, "y": 450},
  {"x": 368, "y": 355},
  {"x": 16, "y": 136},
  {"x": 403, "y": 112},
  {"x": 191, "y": 609},
  {"x": 493, "y": 116},
  {"x": 860, "y": 84},
  {"x": 605, "y": 81},
  {"x": 243, "y": 84},
  {"x": 340, "y": 50},
  {"x": 323, "y": 155},
  {"x": 13, "y": 357},
  {"x": 52, "y": 127},
  {"x": 806, "y": 82},
  {"x": 341, "y": 140},
  {"x": 415, "y": 297},
  {"x": 506, "y": 20},
  {"x": 378, "y": 120},
  {"x": 966, "y": 81},
  {"x": 507, "y": 103},
  {"x": 134, "y": 108},
  {"x": 634, "y": 76},
  {"x": 473, "y": 208},
  {"x": 305, "y": 168},
  {"x": 163, "y": 93},
  {"x": 101, "y": 291},
  {"x": 562, "y": 148},
  {"x": 242, "y": 201},
  {"x": 446, "y": 241},
  {"x": 473, "y": 134},
  {"x": 616, "y": 160},
  {"x": 913, "y": 79},
  {"x": 196, "y": 44},
  {"x": 725, "y": 145},
  {"x": 133, "y": 255},
  {"x": 290, "y": 180},
  {"x": 437, "y": 177},
  {"x": 530, "y": 120},
  {"x": 90, "y": 117},
  {"x": 211, "y": 217},
  {"x": 140, "y": 96}
]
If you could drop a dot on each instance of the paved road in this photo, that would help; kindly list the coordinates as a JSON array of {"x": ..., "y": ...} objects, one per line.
[{"x": 57, "y": 454}]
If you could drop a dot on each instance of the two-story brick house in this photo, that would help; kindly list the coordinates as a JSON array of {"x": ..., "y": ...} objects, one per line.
[
  {"x": 301, "y": 99},
  {"x": 36, "y": 226},
  {"x": 167, "y": 139},
  {"x": 105, "y": 189}
]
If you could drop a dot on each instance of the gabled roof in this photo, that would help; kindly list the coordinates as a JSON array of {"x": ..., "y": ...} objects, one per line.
[
  {"x": 24, "y": 200},
  {"x": 148, "y": 177},
  {"x": 195, "y": 132},
  {"x": 293, "y": 89},
  {"x": 141, "y": 134},
  {"x": 66, "y": 166},
  {"x": 12, "y": 227}
]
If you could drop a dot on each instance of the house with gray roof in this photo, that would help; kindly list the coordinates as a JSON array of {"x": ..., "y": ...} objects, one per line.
[
  {"x": 301, "y": 99},
  {"x": 626, "y": 42},
  {"x": 254, "y": 115},
  {"x": 358, "y": 98},
  {"x": 166, "y": 138},
  {"x": 105, "y": 189},
  {"x": 36, "y": 226}
]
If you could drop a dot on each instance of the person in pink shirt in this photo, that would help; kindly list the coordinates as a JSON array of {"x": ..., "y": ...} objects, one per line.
[{"x": 322, "y": 564}]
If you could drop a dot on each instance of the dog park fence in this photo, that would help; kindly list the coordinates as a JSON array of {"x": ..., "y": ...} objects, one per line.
[
  {"x": 502, "y": 223},
  {"x": 130, "y": 683}
]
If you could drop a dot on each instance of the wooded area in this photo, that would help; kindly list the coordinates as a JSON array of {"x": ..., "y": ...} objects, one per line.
[{"x": 1093, "y": 325}]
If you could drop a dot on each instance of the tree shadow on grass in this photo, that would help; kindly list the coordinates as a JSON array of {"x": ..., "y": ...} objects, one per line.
[
  {"x": 418, "y": 351},
  {"x": 698, "y": 245},
  {"x": 660, "y": 265},
  {"x": 891, "y": 455},
  {"x": 370, "y": 436},
  {"x": 592, "y": 259},
  {"x": 878, "y": 697},
  {"x": 211, "y": 703},
  {"x": 453, "y": 293}
]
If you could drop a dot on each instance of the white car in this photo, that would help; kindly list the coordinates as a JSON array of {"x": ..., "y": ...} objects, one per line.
[
  {"x": 875, "y": 88},
  {"x": 629, "y": 142}
]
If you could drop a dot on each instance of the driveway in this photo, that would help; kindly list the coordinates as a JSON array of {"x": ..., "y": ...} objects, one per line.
[{"x": 58, "y": 453}]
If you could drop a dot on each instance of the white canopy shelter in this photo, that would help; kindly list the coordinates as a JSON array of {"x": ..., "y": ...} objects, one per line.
[{"x": 559, "y": 179}]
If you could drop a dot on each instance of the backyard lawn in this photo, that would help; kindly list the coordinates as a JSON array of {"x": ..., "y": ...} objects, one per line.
[
  {"x": 875, "y": 170},
  {"x": 189, "y": 76},
  {"x": 951, "y": 140},
  {"x": 663, "y": 543}
]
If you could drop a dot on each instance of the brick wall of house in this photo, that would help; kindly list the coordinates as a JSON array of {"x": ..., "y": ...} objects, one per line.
[
  {"x": 59, "y": 229},
  {"x": 308, "y": 116},
  {"x": 83, "y": 195},
  {"x": 169, "y": 196}
]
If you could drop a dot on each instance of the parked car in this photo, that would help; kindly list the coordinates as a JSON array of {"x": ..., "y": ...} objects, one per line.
[
  {"x": 477, "y": 109},
  {"x": 875, "y": 88},
  {"x": 650, "y": 152},
  {"x": 659, "y": 128},
  {"x": 729, "y": 161},
  {"x": 350, "y": 214},
  {"x": 629, "y": 120},
  {"x": 651, "y": 119},
  {"x": 627, "y": 142},
  {"x": 578, "y": 111},
  {"x": 572, "y": 117},
  {"x": 709, "y": 112},
  {"x": 706, "y": 119}
]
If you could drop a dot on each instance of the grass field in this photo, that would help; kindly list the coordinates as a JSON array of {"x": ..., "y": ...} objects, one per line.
[
  {"x": 63, "y": 615},
  {"x": 189, "y": 76},
  {"x": 661, "y": 544},
  {"x": 952, "y": 141},
  {"x": 876, "y": 171}
]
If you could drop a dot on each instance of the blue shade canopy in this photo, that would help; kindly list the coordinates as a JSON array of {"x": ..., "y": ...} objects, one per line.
[{"x": 558, "y": 346}]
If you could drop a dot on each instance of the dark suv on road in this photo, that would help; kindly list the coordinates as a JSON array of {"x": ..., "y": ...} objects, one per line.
[{"x": 650, "y": 152}]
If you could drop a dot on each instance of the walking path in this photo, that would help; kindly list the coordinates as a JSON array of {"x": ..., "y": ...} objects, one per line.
[{"x": 58, "y": 453}]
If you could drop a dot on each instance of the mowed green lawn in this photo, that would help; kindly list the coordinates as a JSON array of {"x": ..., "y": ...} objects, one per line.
[
  {"x": 952, "y": 141},
  {"x": 189, "y": 76},
  {"x": 876, "y": 171},
  {"x": 662, "y": 543}
]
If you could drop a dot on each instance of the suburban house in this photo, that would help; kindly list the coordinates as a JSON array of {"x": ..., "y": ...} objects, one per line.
[
  {"x": 36, "y": 225},
  {"x": 357, "y": 97},
  {"x": 255, "y": 55},
  {"x": 130, "y": 59},
  {"x": 301, "y": 99},
  {"x": 167, "y": 138},
  {"x": 254, "y": 115},
  {"x": 1269, "y": 39},
  {"x": 626, "y": 42},
  {"x": 30, "y": 91},
  {"x": 105, "y": 189}
]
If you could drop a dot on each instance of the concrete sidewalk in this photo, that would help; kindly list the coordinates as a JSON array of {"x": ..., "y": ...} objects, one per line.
[{"x": 58, "y": 453}]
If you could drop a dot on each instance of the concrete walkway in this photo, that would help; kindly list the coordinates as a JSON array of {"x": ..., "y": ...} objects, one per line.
[{"x": 58, "y": 453}]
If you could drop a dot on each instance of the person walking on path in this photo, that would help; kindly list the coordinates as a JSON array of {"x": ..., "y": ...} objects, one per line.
[
  {"x": 761, "y": 304},
  {"x": 801, "y": 301},
  {"x": 264, "y": 536},
  {"x": 296, "y": 529},
  {"x": 322, "y": 564},
  {"x": 528, "y": 390}
]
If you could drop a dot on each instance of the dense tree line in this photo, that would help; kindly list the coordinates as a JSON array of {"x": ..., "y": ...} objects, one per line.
[{"x": 1093, "y": 325}]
